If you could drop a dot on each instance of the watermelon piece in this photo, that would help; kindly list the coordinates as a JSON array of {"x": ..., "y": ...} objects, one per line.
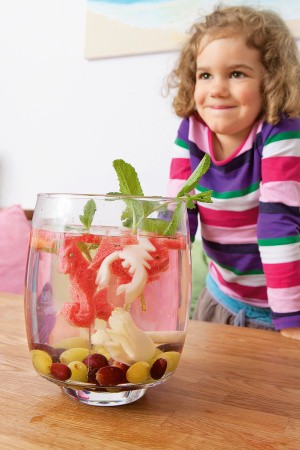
[
  {"x": 118, "y": 269},
  {"x": 70, "y": 258},
  {"x": 81, "y": 312},
  {"x": 87, "y": 238},
  {"x": 103, "y": 308},
  {"x": 78, "y": 314},
  {"x": 176, "y": 242},
  {"x": 124, "y": 279},
  {"x": 128, "y": 239},
  {"x": 110, "y": 244},
  {"x": 107, "y": 246},
  {"x": 83, "y": 280},
  {"x": 159, "y": 262}
]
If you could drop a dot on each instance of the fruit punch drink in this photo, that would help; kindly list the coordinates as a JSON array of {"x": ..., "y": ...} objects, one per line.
[{"x": 107, "y": 302}]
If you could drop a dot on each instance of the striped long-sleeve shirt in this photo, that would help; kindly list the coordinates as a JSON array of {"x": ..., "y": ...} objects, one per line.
[{"x": 251, "y": 231}]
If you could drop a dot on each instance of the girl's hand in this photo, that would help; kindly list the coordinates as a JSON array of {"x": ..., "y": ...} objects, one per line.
[{"x": 293, "y": 333}]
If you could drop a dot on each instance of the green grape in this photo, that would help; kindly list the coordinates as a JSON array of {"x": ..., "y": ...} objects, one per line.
[
  {"x": 72, "y": 342},
  {"x": 73, "y": 354},
  {"x": 139, "y": 372},
  {"x": 79, "y": 371},
  {"x": 158, "y": 354},
  {"x": 41, "y": 361},
  {"x": 172, "y": 358}
]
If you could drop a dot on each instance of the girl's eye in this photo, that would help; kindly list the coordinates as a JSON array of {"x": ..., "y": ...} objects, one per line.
[
  {"x": 204, "y": 76},
  {"x": 237, "y": 74}
]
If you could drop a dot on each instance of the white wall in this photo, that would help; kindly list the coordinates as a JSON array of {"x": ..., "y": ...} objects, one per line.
[{"x": 63, "y": 119}]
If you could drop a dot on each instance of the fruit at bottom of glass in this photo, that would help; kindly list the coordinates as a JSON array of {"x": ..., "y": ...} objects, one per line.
[
  {"x": 72, "y": 342},
  {"x": 91, "y": 377},
  {"x": 79, "y": 371},
  {"x": 41, "y": 361},
  {"x": 95, "y": 361},
  {"x": 138, "y": 373},
  {"x": 110, "y": 376},
  {"x": 53, "y": 352},
  {"x": 158, "y": 354},
  {"x": 172, "y": 360},
  {"x": 60, "y": 371},
  {"x": 158, "y": 368},
  {"x": 122, "y": 366},
  {"x": 74, "y": 354}
]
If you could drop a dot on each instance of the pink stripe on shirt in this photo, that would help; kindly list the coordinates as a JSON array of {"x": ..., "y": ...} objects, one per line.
[
  {"x": 241, "y": 235},
  {"x": 277, "y": 192},
  {"x": 278, "y": 298},
  {"x": 232, "y": 218},
  {"x": 254, "y": 295},
  {"x": 283, "y": 275},
  {"x": 180, "y": 168},
  {"x": 280, "y": 168}
]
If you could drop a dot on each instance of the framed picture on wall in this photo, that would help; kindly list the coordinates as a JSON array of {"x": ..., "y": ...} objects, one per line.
[{"x": 131, "y": 27}]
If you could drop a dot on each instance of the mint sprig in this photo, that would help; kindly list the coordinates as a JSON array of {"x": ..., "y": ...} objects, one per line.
[
  {"x": 184, "y": 195},
  {"x": 137, "y": 212},
  {"x": 128, "y": 179},
  {"x": 130, "y": 185},
  {"x": 88, "y": 214},
  {"x": 193, "y": 180}
]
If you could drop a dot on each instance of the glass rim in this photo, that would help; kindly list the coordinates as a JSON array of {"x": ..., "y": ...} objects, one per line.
[{"x": 112, "y": 196}]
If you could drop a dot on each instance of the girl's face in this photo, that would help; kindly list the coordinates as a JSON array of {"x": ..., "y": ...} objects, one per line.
[{"x": 228, "y": 87}]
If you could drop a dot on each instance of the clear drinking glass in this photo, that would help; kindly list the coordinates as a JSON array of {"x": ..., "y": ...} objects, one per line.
[{"x": 107, "y": 296}]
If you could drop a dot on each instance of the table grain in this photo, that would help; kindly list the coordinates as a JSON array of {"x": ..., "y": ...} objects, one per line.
[{"x": 235, "y": 388}]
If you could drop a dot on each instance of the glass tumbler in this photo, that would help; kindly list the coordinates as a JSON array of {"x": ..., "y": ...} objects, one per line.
[{"x": 108, "y": 286}]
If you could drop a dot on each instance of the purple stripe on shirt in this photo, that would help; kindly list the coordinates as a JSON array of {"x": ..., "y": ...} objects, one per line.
[
  {"x": 231, "y": 180},
  {"x": 238, "y": 261},
  {"x": 183, "y": 130},
  {"x": 193, "y": 222},
  {"x": 278, "y": 208},
  {"x": 287, "y": 321},
  {"x": 269, "y": 130},
  {"x": 271, "y": 226}
]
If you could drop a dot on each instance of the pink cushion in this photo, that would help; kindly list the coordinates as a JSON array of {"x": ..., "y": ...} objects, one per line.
[{"x": 14, "y": 239}]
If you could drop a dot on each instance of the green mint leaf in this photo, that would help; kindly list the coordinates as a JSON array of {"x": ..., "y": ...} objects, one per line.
[
  {"x": 126, "y": 218},
  {"x": 202, "y": 197},
  {"x": 192, "y": 182},
  {"x": 85, "y": 248},
  {"x": 190, "y": 201},
  {"x": 175, "y": 221},
  {"x": 156, "y": 226},
  {"x": 88, "y": 214},
  {"x": 139, "y": 213},
  {"x": 136, "y": 210},
  {"x": 128, "y": 179},
  {"x": 184, "y": 195}
]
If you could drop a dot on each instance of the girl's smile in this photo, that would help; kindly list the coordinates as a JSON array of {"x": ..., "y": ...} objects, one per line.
[{"x": 228, "y": 90}]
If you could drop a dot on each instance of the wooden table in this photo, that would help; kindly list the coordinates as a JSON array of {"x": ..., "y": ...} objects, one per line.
[{"x": 234, "y": 389}]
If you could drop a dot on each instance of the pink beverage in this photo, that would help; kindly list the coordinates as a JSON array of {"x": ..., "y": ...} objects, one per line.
[{"x": 106, "y": 310}]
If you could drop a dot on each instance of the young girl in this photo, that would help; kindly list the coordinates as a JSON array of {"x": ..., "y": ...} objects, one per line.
[{"x": 238, "y": 92}]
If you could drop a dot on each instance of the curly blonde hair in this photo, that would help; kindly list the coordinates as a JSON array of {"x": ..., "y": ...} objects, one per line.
[{"x": 263, "y": 30}]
